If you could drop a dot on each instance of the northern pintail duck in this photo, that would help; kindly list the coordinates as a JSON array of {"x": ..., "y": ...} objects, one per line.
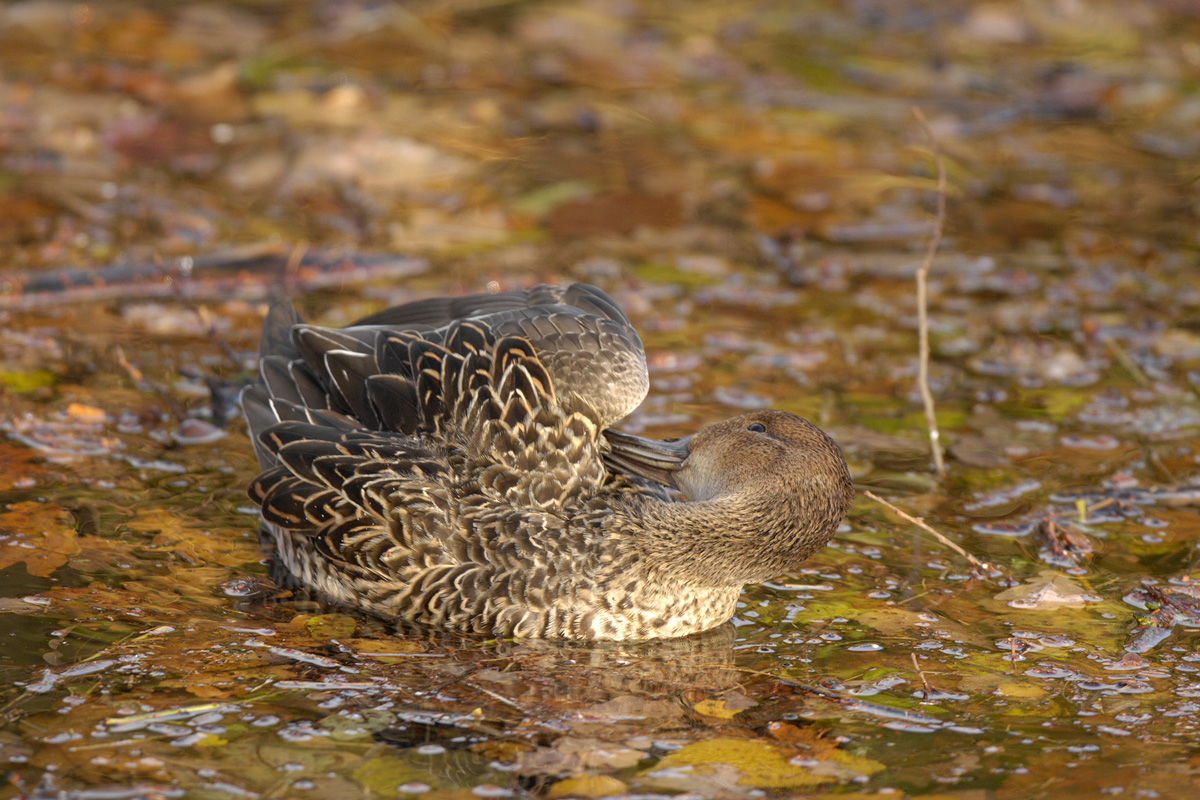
[{"x": 451, "y": 463}]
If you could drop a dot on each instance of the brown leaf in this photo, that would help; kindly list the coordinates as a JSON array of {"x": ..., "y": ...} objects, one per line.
[
  {"x": 572, "y": 754},
  {"x": 41, "y": 535},
  {"x": 17, "y": 463},
  {"x": 795, "y": 736}
]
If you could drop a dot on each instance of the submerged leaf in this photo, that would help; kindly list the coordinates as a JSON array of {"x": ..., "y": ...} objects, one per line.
[
  {"x": 760, "y": 764},
  {"x": 40, "y": 535},
  {"x": 382, "y": 775},
  {"x": 1048, "y": 591},
  {"x": 727, "y": 706},
  {"x": 586, "y": 786},
  {"x": 331, "y": 626}
]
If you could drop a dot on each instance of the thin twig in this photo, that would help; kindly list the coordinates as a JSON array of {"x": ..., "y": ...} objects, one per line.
[
  {"x": 921, "y": 674},
  {"x": 135, "y": 374},
  {"x": 500, "y": 697},
  {"x": 920, "y": 523},
  {"x": 1114, "y": 347},
  {"x": 935, "y": 438}
]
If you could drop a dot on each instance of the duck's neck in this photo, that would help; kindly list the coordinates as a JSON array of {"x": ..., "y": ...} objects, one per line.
[{"x": 736, "y": 539}]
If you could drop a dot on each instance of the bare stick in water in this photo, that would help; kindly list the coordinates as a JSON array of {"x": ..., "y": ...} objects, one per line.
[
  {"x": 923, "y": 525},
  {"x": 935, "y": 438}
]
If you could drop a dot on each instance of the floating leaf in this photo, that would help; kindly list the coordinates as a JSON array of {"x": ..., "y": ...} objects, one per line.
[
  {"x": 365, "y": 723},
  {"x": 382, "y": 775},
  {"x": 890, "y": 621},
  {"x": 388, "y": 651},
  {"x": 1021, "y": 690},
  {"x": 18, "y": 465},
  {"x": 1048, "y": 591},
  {"x": 586, "y": 786},
  {"x": 759, "y": 764},
  {"x": 576, "y": 754},
  {"x": 40, "y": 535},
  {"x": 211, "y": 740},
  {"x": 169, "y": 530},
  {"x": 822, "y": 749},
  {"x": 331, "y": 626}
]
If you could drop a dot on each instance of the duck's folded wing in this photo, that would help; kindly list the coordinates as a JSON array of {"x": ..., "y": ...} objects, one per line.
[
  {"x": 521, "y": 386},
  {"x": 373, "y": 502},
  {"x": 585, "y": 344},
  {"x": 437, "y": 312},
  {"x": 589, "y": 348}
]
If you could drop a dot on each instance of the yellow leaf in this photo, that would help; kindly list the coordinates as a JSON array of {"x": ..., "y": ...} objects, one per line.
[
  {"x": 715, "y": 708},
  {"x": 211, "y": 740},
  {"x": 587, "y": 786},
  {"x": 1021, "y": 690},
  {"x": 331, "y": 626},
  {"x": 860, "y": 764},
  {"x": 207, "y": 690},
  {"x": 760, "y": 764},
  {"x": 381, "y": 775}
]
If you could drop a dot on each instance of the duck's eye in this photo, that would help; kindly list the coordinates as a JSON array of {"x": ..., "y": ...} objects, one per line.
[{"x": 757, "y": 427}]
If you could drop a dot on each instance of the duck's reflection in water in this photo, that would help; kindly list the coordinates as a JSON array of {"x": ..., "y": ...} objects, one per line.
[
  {"x": 539, "y": 709},
  {"x": 558, "y": 676},
  {"x": 658, "y": 667}
]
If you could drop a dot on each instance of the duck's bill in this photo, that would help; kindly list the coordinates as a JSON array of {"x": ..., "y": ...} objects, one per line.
[{"x": 655, "y": 459}]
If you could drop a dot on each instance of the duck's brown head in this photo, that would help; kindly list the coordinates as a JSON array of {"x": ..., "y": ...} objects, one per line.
[
  {"x": 763, "y": 448},
  {"x": 771, "y": 486}
]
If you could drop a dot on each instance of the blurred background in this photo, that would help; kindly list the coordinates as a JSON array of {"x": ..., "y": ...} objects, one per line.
[{"x": 522, "y": 138}]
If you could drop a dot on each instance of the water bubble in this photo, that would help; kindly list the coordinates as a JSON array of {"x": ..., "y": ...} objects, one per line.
[
  {"x": 413, "y": 788},
  {"x": 1050, "y": 673}
]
